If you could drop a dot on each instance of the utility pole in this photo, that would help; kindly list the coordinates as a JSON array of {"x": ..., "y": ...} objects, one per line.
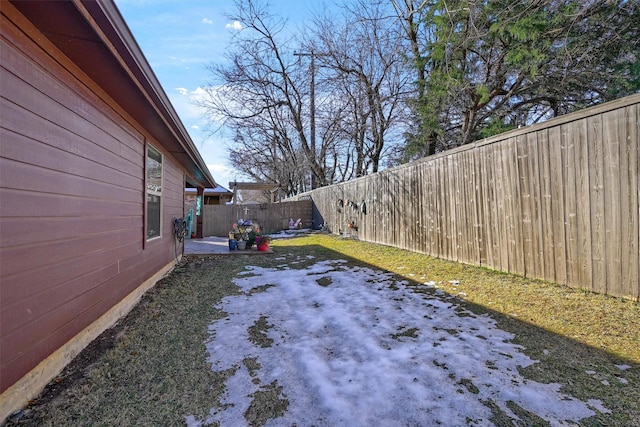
[{"x": 312, "y": 107}]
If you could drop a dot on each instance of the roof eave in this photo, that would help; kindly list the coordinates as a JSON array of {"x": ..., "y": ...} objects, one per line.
[
  {"x": 96, "y": 38},
  {"x": 132, "y": 57}
]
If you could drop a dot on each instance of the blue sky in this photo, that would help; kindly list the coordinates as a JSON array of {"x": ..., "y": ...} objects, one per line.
[{"x": 180, "y": 38}]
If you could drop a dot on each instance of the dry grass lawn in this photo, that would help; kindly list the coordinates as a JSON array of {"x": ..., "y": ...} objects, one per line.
[{"x": 152, "y": 369}]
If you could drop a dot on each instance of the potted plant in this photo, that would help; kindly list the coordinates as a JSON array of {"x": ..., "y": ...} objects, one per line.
[
  {"x": 263, "y": 245},
  {"x": 251, "y": 239},
  {"x": 232, "y": 238}
]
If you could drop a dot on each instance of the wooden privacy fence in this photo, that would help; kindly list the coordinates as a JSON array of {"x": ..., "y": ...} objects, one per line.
[
  {"x": 557, "y": 201},
  {"x": 218, "y": 219}
]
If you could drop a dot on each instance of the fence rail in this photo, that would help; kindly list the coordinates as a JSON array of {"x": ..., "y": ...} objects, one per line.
[
  {"x": 218, "y": 219},
  {"x": 557, "y": 201}
]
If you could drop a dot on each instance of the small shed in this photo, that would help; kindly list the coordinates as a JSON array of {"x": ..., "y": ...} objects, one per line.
[
  {"x": 93, "y": 165},
  {"x": 210, "y": 196}
]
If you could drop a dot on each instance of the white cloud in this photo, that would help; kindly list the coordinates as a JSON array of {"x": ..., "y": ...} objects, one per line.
[
  {"x": 201, "y": 94},
  {"x": 196, "y": 127},
  {"x": 183, "y": 90},
  {"x": 207, "y": 21},
  {"x": 219, "y": 168},
  {"x": 199, "y": 91},
  {"x": 185, "y": 107},
  {"x": 235, "y": 25},
  {"x": 223, "y": 174}
]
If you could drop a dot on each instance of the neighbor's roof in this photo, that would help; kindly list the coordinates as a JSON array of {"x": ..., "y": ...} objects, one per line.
[
  {"x": 218, "y": 190},
  {"x": 254, "y": 186},
  {"x": 96, "y": 38}
]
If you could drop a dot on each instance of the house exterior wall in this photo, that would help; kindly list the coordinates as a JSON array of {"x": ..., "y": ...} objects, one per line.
[{"x": 72, "y": 201}]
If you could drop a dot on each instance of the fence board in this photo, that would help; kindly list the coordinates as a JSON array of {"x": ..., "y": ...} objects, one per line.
[
  {"x": 571, "y": 225},
  {"x": 516, "y": 256},
  {"x": 372, "y": 214},
  {"x": 479, "y": 250},
  {"x": 440, "y": 236},
  {"x": 518, "y": 237},
  {"x": 450, "y": 199},
  {"x": 375, "y": 207},
  {"x": 612, "y": 209},
  {"x": 535, "y": 186},
  {"x": 460, "y": 224},
  {"x": 406, "y": 211},
  {"x": 472, "y": 244},
  {"x": 384, "y": 206},
  {"x": 526, "y": 207},
  {"x": 579, "y": 136},
  {"x": 422, "y": 226},
  {"x": 431, "y": 211},
  {"x": 362, "y": 218},
  {"x": 630, "y": 259},
  {"x": 468, "y": 238},
  {"x": 502, "y": 198},
  {"x": 449, "y": 205},
  {"x": 491, "y": 209},
  {"x": 482, "y": 223},
  {"x": 484, "y": 218},
  {"x": 457, "y": 218},
  {"x": 395, "y": 217},
  {"x": 416, "y": 225},
  {"x": 557, "y": 207},
  {"x": 460, "y": 219},
  {"x": 443, "y": 238},
  {"x": 596, "y": 196},
  {"x": 409, "y": 180},
  {"x": 509, "y": 206},
  {"x": 559, "y": 200},
  {"x": 436, "y": 210},
  {"x": 547, "y": 246},
  {"x": 399, "y": 217}
]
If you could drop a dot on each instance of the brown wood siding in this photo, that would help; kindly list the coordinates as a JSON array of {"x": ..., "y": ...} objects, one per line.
[
  {"x": 71, "y": 203},
  {"x": 173, "y": 206},
  {"x": 557, "y": 201}
]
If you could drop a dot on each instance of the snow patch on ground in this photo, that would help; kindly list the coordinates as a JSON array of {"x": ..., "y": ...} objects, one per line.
[{"x": 355, "y": 347}]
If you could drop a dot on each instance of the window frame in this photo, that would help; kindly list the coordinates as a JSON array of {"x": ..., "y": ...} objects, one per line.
[{"x": 155, "y": 191}]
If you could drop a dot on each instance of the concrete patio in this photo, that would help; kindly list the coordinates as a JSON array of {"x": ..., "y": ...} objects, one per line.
[{"x": 216, "y": 246}]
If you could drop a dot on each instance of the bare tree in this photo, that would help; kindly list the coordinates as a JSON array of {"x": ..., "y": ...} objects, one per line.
[
  {"x": 365, "y": 67},
  {"x": 261, "y": 94},
  {"x": 399, "y": 79},
  {"x": 264, "y": 95}
]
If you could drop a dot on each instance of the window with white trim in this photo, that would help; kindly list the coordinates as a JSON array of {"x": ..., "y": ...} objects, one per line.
[{"x": 154, "y": 192}]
